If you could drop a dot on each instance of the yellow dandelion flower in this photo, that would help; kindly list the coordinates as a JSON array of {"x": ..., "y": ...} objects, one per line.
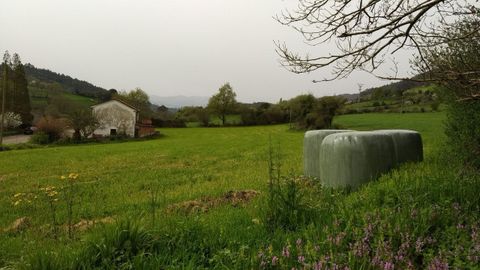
[{"x": 63, "y": 177}]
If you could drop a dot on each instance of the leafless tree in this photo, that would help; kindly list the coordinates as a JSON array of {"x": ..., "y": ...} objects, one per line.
[
  {"x": 366, "y": 32},
  {"x": 456, "y": 64}
]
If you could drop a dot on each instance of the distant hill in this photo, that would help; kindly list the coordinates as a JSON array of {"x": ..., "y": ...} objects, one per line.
[
  {"x": 179, "y": 101},
  {"x": 55, "y": 94},
  {"x": 39, "y": 77},
  {"x": 349, "y": 97},
  {"x": 394, "y": 87}
]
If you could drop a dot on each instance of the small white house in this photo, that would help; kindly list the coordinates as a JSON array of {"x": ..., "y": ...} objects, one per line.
[{"x": 116, "y": 117}]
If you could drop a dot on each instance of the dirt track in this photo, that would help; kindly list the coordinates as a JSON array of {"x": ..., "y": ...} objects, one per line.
[{"x": 16, "y": 139}]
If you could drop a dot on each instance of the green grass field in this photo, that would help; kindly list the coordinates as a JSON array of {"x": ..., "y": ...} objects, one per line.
[{"x": 116, "y": 180}]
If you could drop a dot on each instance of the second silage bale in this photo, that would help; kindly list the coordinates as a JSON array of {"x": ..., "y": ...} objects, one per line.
[
  {"x": 311, "y": 150},
  {"x": 355, "y": 158},
  {"x": 408, "y": 144}
]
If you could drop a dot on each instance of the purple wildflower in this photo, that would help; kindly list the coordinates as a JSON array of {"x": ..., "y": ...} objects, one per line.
[
  {"x": 286, "y": 252},
  {"x": 301, "y": 259},
  {"x": 274, "y": 260},
  {"x": 318, "y": 266},
  {"x": 438, "y": 264},
  {"x": 419, "y": 245},
  {"x": 388, "y": 266},
  {"x": 299, "y": 242}
]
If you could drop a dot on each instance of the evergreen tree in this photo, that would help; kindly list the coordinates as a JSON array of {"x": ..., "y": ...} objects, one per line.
[
  {"x": 20, "y": 95},
  {"x": 5, "y": 79},
  {"x": 6, "y": 62}
]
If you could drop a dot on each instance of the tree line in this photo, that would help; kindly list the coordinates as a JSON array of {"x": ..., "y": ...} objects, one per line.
[
  {"x": 15, "y": 97},
  {"x": 303, "y": 112}
]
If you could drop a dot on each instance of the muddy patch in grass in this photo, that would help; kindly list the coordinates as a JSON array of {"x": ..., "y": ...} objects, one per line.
[
  {"x": 204, "y": 204},
  {"x": 18, "y": 225},
  {"x": 86, "y": 224}
]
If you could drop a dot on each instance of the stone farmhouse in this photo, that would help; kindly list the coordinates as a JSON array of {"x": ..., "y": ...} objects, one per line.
[{"x": 117, "y": 117}]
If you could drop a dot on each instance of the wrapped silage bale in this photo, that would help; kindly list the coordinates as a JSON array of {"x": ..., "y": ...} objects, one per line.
[
  {"x": 353, "y": 158},
  {"x": 312, "y": 142},
  {"x": 408, "y": 144}
]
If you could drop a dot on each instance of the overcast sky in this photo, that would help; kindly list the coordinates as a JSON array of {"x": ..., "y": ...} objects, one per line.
[{"x": 166, "y": 47}]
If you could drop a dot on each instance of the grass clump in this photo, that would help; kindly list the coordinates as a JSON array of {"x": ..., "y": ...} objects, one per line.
[{"x": 119, "y": 246}]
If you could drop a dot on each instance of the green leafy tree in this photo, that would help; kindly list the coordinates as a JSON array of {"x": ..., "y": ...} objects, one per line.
[
  {"x": 328, "y": 107},
  {"x": 83, "y": 122},
  {"x": 300, "y": 106},
  {"x": 138, "y": 99},
  {"x": 309, "y": 112},
  {"x": 223, "y": 102}
]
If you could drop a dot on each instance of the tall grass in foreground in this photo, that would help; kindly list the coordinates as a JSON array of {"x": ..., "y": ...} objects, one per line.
[{"x": 420, "y": 216}]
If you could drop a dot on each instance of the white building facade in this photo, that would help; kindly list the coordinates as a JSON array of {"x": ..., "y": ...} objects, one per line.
[{"x": 116, "y": 118}]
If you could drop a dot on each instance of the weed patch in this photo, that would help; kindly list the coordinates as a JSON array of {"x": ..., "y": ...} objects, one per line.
[{"x": 202, "y": 205}]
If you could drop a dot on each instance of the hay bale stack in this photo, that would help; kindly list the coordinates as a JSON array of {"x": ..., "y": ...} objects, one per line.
[
  {"x": 408, "y": 145},
  {"x": 311, "y": 150},
  {"x": 351, "y": 159}
]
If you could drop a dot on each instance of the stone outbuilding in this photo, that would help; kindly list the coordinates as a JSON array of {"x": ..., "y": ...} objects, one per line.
[{"x": 116, "y": 118}]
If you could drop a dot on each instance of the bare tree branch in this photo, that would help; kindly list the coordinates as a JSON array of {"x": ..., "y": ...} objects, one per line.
[{"x": 365, "y": 31}]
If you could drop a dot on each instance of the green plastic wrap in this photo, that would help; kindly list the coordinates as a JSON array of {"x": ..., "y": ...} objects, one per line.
[
  {"x": 354, "y": 158},
  {"x": 408, "y": 144},
  {"x": 311, "y": 150}
]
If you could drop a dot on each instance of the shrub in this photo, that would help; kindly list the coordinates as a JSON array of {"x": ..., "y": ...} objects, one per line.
[
  {"x": 40, "y": 138},
  {"x": 321, "y": 117},
  {"x": 463, "y": 131},
  {"x": 176, "y": 123},
  {"x": 351, "y": 111},
  {"x": 53, "y": 127},
  {"x": 435, "y": 105},
  {"x": 287, "y": 207}
]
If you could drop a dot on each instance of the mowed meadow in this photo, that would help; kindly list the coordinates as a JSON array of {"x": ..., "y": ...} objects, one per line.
[{"x": 140, "y": 181}]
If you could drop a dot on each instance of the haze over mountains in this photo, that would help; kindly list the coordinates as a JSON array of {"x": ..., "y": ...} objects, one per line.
[
  {"x": 44, "y": 82},
  {"x": 179, "y": 101}
]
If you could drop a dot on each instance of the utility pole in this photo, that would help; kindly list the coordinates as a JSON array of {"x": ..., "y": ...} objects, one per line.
[{"x": 360, "y": 86}]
